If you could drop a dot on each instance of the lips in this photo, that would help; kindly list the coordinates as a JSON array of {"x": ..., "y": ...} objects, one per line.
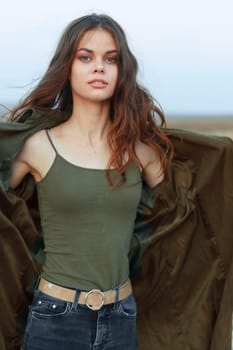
[{"x": 98, "y": 83}]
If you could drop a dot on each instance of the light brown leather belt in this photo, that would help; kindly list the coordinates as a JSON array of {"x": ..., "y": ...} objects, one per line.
[{"x": 94, "y": 299}]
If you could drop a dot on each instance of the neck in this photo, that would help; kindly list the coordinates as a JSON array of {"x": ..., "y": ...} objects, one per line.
[{"x": 90, "y": 120}]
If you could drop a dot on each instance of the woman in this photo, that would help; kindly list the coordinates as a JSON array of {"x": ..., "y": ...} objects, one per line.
[{"x": 89, "y": 171}]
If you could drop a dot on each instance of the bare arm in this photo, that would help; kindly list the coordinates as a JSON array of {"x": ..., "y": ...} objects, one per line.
[
  {"x": 31, "y": 159},
  {"x": 152, "y": 172},
  {"x": 20, "y": 169}
]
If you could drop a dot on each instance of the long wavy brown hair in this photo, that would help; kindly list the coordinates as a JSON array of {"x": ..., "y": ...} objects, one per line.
[{"x": 133, "y": 109}]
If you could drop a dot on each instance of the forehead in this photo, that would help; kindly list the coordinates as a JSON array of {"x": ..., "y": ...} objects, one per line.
[{"x": 97, "y": 39}]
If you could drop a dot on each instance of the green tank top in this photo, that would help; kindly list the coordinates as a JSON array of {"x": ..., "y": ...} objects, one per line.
[{"x": 87, "y": 226}]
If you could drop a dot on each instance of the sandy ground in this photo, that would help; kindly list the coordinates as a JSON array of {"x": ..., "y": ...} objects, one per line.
[{"x": 222, "y": 126}]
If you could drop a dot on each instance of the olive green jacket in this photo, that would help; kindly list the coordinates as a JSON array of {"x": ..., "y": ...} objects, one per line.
[{"x": 181, "y": 255}]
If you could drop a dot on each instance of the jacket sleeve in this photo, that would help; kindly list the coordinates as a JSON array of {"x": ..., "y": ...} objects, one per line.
[
  {"x": 19, "y": 246},
  {"x": 185, "y": 247},
  {"x": 162, "y": 209}
]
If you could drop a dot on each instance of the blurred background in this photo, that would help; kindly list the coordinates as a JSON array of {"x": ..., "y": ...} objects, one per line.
[{"x": 184, "y": 50}]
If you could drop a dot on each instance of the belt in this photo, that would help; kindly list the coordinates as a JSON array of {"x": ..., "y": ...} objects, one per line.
[{"x": 94, "y": 299}]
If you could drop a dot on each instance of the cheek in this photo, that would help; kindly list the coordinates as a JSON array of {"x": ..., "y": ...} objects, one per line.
[
  {"x": 75, "y": 72},
  {"x": 76, "y": 77},
  {"x": 77, "y": 69},
  {"x": 115, "y": 76}
]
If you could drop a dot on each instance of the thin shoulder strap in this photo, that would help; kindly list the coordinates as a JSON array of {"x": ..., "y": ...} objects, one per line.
[{"x": 48, "y": 132}]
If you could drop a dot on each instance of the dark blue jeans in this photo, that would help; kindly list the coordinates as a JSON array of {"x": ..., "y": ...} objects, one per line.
[{"x": 54, "y": 324}]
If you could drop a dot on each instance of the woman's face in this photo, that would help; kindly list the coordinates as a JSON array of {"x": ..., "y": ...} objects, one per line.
[{"x": 94, "y": 69}]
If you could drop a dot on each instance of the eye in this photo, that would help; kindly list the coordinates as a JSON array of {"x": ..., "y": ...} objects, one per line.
[
  {"x": 111, "y": 59},
  {"x": 84, "y": 58}
]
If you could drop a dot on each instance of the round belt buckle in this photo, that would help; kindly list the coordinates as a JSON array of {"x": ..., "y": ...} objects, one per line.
[{"x": 94, "y": 307}]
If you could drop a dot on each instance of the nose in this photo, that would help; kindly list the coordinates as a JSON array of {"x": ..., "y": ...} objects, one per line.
[{"x": 99, "y": 69}]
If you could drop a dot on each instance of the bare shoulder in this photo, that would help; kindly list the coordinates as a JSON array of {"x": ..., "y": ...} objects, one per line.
[
  {"x": 33, "y": 145},
  {"x": 35, "y": 138},
  {"x": 152, "y": 172},
  {"x": 29, "y": 159},
  {"x": 145, "y": 153}
]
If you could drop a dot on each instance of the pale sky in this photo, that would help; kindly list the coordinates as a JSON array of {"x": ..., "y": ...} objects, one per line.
[{"x": 184, "y": 47}]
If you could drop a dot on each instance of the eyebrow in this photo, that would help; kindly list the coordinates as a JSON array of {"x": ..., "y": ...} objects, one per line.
[{"x": 91, "y": 51}]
